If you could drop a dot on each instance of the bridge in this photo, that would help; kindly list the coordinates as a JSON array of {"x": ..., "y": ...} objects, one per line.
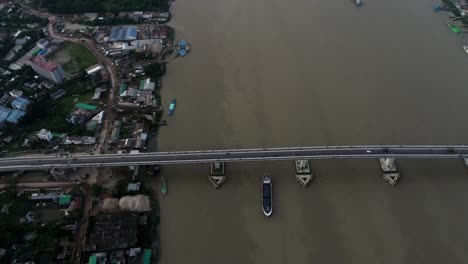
[{"x": 80, "y": 160}]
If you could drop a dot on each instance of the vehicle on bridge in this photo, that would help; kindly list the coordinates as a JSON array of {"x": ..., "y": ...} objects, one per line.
[{"x": 267, "y": 190}]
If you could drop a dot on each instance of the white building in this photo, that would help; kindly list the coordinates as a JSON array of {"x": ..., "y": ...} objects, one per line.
[
  {"x": 45, "y": 134},
  {"x": 42, "y": 43}
]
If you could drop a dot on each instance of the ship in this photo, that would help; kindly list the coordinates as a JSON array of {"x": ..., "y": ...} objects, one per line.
[{"x": 267, "y": 192}]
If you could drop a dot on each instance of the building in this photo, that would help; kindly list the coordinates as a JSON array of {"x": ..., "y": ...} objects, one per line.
[
  {"x": 147, "y": 85},
  {"x": 45, "y": 134},
  {"x": 10, "y": 115},
  {"x": 50, "y": 70},
  {"x": 15, "y": 116},
  {"x": 76, "y": 140},
  {"x": 20, "y": 103},
  {"x": 123, "y": 34},
  {"x": 42, "y": 43},
  {"x": 113, "y": 231}
]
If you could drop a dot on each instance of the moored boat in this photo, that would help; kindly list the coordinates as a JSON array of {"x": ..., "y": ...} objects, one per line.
[
  {"x": 267, "y": 195},
  {"x": 183, "y": 48},
  {"x": 466, "y": 49},
  {"x": 163, "y": 185},
  {"x": 172, "y": 107}
]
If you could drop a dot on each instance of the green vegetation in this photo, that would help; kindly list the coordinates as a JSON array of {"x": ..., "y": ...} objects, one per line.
[
  {"x": 97, "y": 189},
  {"x": 83, "y": 6},
  {"x": 50, "y": 114},
  {"x": 74, "y": 58}
]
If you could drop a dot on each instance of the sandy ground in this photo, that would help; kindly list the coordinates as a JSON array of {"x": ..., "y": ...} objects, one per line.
[{"x": 287, "y": 73}]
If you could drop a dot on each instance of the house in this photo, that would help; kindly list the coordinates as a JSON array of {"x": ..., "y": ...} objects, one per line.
[
  {"x": 45, "y": 134},
  {"x": 20, "y": 103},
  {"x": 57, "y": 94},
  {"x": 133, "y": 187},
  {"x": 42, "y": 43}
]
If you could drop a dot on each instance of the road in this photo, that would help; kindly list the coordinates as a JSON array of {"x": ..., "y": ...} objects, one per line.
[{"x": 38, "y": 162}]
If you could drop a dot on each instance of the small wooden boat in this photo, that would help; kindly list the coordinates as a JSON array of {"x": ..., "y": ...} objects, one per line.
[
  {"x": 163, "y": 185},
  {"x": 172, "y": 107}
]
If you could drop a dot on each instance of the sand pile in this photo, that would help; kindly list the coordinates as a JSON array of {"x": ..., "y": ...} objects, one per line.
[{"x": 136, "y": 203}]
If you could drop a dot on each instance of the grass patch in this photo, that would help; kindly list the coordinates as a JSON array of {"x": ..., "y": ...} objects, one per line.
[{"x": 74, "y": 58}]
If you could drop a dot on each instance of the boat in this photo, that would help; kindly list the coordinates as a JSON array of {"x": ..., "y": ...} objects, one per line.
[
  {"x": 172, "y": 107},
  {"x": 466, "y": 49},
  {"x": 455, "y": 29},
  {"x": 183, "y": 48},
  {"x": 267, "y": 192},
  {"x": 163, "y": 185},
  {"x": 357, "y": 2}
]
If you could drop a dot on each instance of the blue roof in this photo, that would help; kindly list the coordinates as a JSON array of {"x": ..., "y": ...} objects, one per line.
[
  {"x": 123, "y": 33},
  {"x": 4, "y": 113},
  {"x": 15, "y": 116},
  {"x": 131, "y": 33},
  {"x": 20, "y": 103}
]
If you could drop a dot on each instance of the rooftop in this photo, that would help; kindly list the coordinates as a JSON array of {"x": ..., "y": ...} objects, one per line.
[
  {"x": 43, "y": 63},
  {"x": 86, "y": 106},
  {"x": 113, "y": 231}
]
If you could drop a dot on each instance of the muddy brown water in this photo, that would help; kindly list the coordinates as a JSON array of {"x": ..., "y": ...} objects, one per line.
[{"x": 307, "y": 72}]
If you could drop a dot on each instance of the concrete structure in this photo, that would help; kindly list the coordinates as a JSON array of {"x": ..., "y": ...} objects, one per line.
[
  {"x": 45, "y": 134},
  {"x": 50, "y": 70},
  {"x": 38, "y": 162}
]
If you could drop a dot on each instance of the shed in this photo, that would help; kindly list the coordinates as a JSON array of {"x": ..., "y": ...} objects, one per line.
[
  {"x": 86, "y": 106},
  {"x": 20, "y": 103},
  {"x": 64, "y": 200},
  {"x": 147, "y": 256},
  {"x": 92, "y": 259}
]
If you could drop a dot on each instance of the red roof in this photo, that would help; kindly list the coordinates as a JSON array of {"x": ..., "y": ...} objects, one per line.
[{"x": 41, "y": 62}]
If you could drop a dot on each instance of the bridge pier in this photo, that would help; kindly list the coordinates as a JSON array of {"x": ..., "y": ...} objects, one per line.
[
  {"x": 217, "y": 177},
  {"x": 389, "y": 170},
  {"x": 303, "y": 172}
]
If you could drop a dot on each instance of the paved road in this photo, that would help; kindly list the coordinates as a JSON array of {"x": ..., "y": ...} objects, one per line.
[{"x": 37, "y": 162}]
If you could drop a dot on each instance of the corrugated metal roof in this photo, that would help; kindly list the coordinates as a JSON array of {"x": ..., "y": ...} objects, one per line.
[
  {"x": 86, "y": 106},
  {"x": 147, "y": 256},
  {"x": 92, "y": 259},
  {"x": 15, "y": 116},
  {"x": 64, "y": 199}
]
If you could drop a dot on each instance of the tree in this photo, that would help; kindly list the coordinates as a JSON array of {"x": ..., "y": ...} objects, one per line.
[{"x": 97, "y": 189}]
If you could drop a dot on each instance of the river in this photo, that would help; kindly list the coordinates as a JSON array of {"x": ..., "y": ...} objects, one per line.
[{"x": 272, "y": 73}]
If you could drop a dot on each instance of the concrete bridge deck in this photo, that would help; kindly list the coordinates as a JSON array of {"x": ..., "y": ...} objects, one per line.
[{"x": 40, "y": 162}]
